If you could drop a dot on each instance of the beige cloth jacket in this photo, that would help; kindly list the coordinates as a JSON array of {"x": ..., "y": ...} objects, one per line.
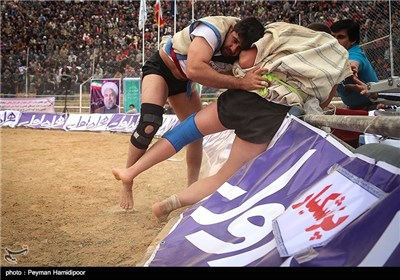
[{"x": 310, "y": 61}]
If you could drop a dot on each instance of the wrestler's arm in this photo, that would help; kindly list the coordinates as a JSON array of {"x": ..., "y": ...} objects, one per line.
[
  {"x": 198, "y": 70},
  {"x": 330, "y": 97},
  {"x": 247, "y": 58}
]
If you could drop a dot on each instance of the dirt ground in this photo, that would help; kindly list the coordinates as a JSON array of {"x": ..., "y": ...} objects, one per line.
[{"x": 60, "y": 199}]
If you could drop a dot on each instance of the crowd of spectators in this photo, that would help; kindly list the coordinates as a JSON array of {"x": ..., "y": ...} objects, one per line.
[{"x": 49, "y": 47}]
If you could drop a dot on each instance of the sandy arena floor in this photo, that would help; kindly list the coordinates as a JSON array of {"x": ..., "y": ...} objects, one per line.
[{"x": 59, "y": 197}]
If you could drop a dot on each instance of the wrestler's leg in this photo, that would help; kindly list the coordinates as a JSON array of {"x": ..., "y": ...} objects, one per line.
[
  {"x": 154, "y": 91},
  {"x": 184, "y": 107},
  {"x": 163, "y": 149},
  {"x": 242, "y": 151}
]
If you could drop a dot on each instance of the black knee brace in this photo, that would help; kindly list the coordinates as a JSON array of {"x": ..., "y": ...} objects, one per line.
[{"x": 150, "y": 115}]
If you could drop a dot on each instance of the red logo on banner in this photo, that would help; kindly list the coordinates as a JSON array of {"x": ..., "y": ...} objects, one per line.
[{"x": 326, "y": 217}]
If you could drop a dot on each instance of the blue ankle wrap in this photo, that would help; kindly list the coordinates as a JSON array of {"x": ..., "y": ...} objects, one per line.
[{"x": 185, "y": 133}]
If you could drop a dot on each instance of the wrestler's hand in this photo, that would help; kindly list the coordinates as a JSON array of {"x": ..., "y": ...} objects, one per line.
[{"x": 253, "y": 80}]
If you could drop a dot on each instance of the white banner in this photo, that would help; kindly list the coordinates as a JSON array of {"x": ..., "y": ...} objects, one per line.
[
  {"x": 9, "y": 118},
  {"x": 38, "y": 105},
  {"x": 322, "y": 211}
]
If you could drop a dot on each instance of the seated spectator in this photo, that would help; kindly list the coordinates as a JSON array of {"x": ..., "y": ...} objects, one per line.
[{"x": 347, "y": 32}]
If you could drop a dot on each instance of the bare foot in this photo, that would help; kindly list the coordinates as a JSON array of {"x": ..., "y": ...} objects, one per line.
[
  {"x": 160, "y": 212},
  {"x": 126, "y": 194},
  {"x": 162, "y": 209}
]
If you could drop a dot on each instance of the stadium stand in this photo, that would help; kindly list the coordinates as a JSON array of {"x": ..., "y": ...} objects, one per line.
[{"x": 101, "y": 39}]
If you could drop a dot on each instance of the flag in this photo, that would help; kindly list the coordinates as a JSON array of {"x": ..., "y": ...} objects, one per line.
[
  {"x": 173, "y": 8},
  {"x": 142, "y": 14},
  {"x": 158, "y": 14}
]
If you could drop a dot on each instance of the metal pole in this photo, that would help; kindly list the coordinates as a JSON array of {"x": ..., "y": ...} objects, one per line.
[
  {"x": 143, "y": 46},
  {"x": 158, "y": 25},
  {"x": 175, "y": 16},
  {"x": 26, "y": 73},
  {"x": 192, "y": 10},
  {"x": 388, "y": 126},
  {"x": 391, "y": 40},
  {"x": 81, "y": 95},
  {"x": 94, "y": 60}
]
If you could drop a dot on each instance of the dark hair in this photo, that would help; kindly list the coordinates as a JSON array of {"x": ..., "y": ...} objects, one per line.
[
  {"x": 131, "y": 105},
  {"x": 249, "y": 30},
  {"x": 353, "y": 29},
  {"x": 319, "y": 27}
]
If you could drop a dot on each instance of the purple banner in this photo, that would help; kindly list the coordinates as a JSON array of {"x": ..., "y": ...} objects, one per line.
[
  {"x": 123, "y": 122},
  {"x": 42, "y": 120},
  {"x": 92, "y": 122},
  {"x": 233, "y": 227},
  {"x": 81, "y": 122}
]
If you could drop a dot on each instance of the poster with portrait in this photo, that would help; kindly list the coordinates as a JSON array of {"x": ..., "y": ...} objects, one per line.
[
  {"x": 132, "y": 93},
  {"x": 105, "y": 96}
]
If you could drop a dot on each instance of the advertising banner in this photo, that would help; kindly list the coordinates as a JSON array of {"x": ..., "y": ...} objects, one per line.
[
  {"x": 132, "y": 92},
  {"x": 305, "y": 201},
  {"x": 39, "y": 104}
]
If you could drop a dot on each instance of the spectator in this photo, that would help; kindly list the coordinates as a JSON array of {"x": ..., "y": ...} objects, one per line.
[
  {"x": 347, "y": 32},
  {"x": 49, "y": 85},
  {"x": 65, "y": 76},
  {"x": 75, "y": 22}
]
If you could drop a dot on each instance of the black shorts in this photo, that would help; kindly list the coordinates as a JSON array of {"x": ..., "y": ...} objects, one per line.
[
  {"x": 155, "y": 65},
  {"x": 253, "y": 118}
]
